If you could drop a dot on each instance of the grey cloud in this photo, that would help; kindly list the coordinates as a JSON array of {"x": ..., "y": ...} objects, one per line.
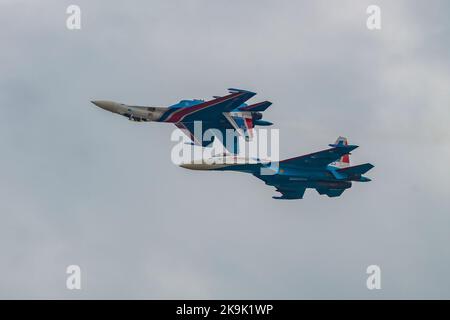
[{"x": 80, "y": 186}]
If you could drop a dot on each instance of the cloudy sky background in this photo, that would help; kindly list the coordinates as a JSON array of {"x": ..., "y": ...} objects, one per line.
[{"x": 82, "y": 186}]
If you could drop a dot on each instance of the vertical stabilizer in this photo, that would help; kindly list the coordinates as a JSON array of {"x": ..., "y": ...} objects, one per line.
[{"x": 344, "y": 161}]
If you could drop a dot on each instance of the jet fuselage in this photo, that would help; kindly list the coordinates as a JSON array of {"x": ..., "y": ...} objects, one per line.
[{"x": 276, "y": 172}]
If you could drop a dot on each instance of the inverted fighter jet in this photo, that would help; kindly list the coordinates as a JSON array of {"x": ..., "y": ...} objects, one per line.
[
  {"x": 327, "y": 171},
  {"x": 221, "y": 113}
]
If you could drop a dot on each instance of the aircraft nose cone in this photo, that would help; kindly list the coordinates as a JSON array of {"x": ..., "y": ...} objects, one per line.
[{"x": 107, "y": 105}]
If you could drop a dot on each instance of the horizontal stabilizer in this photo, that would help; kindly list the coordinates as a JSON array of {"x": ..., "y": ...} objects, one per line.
[
  {"x": 242, "y": 122},
  {"x": 263, "y": 123},
  {"x": 261, "y": 106},
  {"x": 356, "y": 170}
]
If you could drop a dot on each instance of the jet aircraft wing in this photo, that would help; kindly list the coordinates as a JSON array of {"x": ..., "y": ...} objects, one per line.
[
  {"x": 290, "y": 193},
  {"x": 211, "y": 110},
  {"x": 288, "y": 189},
  {"x": 330, "y": 192},
  {"x": 319, "y": 159},
  {"x": 197, "y": 134}
]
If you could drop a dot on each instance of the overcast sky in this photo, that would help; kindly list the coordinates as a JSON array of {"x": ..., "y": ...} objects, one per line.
[{"x": 82, "y": 186}]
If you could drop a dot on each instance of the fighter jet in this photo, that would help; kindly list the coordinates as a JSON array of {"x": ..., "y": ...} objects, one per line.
[
  {"x": 327, "y": 171},
  {"x": 221, "y": 113}
]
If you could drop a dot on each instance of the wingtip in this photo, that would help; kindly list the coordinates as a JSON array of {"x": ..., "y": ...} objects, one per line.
[{"x": 235, "y": 90}]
